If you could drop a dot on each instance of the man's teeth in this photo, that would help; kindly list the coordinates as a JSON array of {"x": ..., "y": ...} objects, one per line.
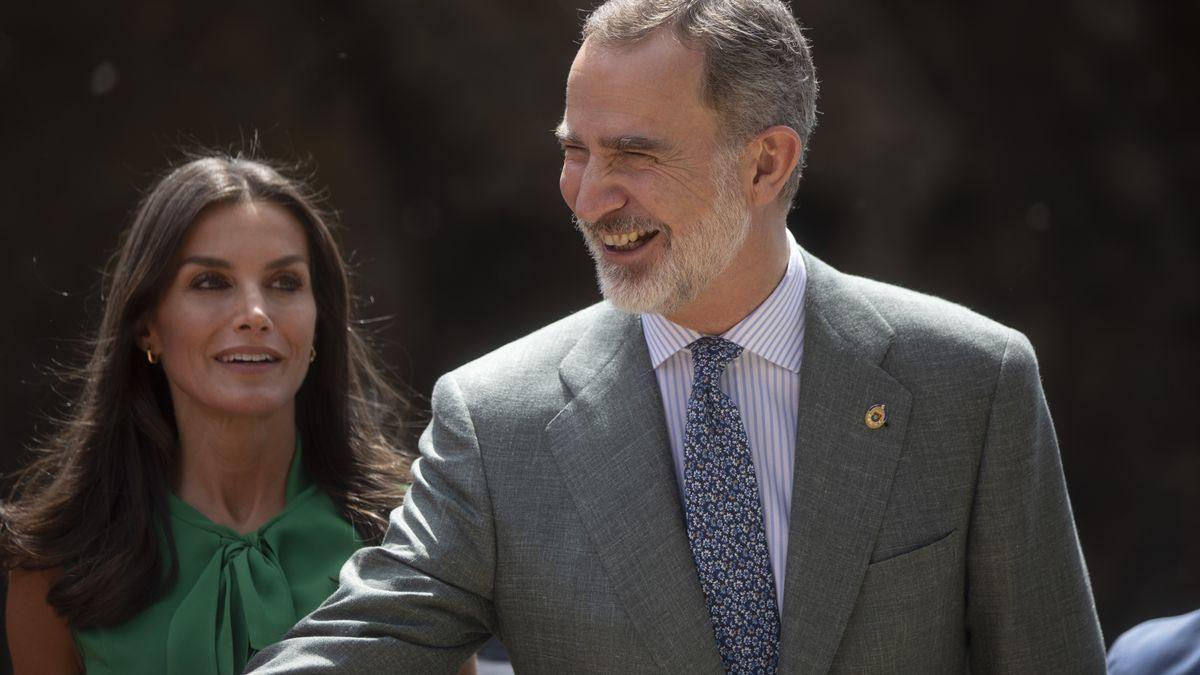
[
  {"x": 247, "y": 358},
  {"x": 625, "y": 238}
]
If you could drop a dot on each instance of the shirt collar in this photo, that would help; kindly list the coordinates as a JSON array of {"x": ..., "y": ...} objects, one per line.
[{"x": 773, "y": 331}]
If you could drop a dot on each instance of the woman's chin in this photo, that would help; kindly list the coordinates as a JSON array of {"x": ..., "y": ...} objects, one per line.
[{"x": 255, "y": 406}]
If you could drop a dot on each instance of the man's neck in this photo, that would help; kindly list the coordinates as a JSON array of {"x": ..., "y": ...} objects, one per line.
[{"x": 737, "y": 291}]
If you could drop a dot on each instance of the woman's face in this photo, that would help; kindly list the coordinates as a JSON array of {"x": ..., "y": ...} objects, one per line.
[{"x": 235, "y": 326}]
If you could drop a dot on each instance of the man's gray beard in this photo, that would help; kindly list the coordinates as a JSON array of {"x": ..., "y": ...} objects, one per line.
[{"x": 687, "y": 264}]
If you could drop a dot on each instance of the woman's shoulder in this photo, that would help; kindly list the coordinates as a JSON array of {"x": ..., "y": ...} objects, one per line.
[{"x": 39, "y": 638}]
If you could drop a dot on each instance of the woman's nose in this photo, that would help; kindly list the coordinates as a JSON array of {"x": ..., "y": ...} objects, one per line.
[{"x": 253, "y": 313}]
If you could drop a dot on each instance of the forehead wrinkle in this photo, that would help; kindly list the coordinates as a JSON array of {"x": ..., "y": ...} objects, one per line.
[{"x": 630, "y": 121}]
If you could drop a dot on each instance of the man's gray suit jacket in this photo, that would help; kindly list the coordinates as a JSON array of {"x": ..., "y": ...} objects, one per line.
[{"x": 545, "y": 510}]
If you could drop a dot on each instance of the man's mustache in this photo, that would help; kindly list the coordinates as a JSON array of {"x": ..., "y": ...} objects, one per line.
[{"x": 617, "y": 225}]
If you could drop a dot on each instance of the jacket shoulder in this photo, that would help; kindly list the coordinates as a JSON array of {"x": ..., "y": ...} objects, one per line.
[
  {"x": 927, "y": 325},
  {"x": 529, "y": 358}
]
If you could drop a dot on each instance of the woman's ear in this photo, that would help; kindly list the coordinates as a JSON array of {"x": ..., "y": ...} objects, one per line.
[{"x": 147, "y": 339}]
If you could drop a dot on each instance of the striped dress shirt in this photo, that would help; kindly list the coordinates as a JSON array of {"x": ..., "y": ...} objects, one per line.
[{"x": 764, "y": 383}]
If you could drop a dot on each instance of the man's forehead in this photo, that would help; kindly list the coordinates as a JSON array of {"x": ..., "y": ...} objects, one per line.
[
  {"x": 658, "y": 59},
  {"x": 626, "y": 94}
]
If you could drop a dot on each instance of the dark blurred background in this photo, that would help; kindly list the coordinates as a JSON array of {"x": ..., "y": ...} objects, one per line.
[{"x": 1036, "y": 163}]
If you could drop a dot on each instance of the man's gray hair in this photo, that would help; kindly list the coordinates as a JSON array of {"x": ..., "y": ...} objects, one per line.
[{"x": 758, "y": 69}]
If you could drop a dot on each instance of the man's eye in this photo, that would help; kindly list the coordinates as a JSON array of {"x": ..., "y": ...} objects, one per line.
[{"x": 209, "y": 282}]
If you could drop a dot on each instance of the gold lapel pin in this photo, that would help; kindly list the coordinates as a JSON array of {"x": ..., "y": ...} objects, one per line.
[{"x": 876, "y": 416}]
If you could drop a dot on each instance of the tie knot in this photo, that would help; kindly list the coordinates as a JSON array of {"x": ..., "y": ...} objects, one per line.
[{"x": 710, "y": 355}]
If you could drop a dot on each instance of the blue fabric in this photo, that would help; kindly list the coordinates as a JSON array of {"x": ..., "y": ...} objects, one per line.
[
  {"x": 1169, "y": 646},
  {"x": 725, "y": 520}
]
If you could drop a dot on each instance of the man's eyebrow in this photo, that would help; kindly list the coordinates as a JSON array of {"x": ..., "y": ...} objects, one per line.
[
  {"x": 565, "y": 136},
  {"x": 625, "y": 143},
  {"x": 635, "y": 143}
]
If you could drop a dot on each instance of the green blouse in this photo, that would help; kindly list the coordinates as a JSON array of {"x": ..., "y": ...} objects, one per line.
[{"x": 235, "y": 593}]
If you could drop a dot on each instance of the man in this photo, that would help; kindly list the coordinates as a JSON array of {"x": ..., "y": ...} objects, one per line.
[{"x": 743, "y": 460}]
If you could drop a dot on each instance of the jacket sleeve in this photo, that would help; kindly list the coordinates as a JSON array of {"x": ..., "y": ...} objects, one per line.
[
  {"x": 1029, "y": 603},
  {"x": 422, "y": 600}
]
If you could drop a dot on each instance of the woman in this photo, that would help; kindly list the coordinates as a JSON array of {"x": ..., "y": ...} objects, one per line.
[{"x": 233, "y": 443}]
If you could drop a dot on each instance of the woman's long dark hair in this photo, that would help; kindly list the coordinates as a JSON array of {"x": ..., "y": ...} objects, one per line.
[{"x": 94, "y": 502}]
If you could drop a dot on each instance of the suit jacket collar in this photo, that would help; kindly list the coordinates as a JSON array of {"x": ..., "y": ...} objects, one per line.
[{"x": 613, "y": 450}]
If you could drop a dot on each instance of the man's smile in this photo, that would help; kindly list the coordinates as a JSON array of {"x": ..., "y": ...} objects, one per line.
[{"x": 627, "y": 241}]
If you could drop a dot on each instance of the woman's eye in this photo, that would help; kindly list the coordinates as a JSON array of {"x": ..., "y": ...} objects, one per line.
[
  {"x": 209, "y": 282},
  {"x": 287, "y": 282}
]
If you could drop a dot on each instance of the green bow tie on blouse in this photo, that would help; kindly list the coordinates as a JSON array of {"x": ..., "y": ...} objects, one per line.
[
  {"x": 241, "y": 601},
  {"x": 235, "y": 593}
]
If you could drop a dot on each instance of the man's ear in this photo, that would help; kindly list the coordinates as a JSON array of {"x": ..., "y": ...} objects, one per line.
[{"x": 775, "y": 152}]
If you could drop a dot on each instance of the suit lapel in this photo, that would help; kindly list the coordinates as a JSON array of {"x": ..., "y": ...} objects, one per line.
[
  {"x": 612, "y": 447},
  {"x": 843, "y": 470}
]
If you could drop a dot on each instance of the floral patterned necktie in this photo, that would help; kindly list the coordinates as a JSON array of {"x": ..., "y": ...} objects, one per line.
[{"x": 725, "y": 520}]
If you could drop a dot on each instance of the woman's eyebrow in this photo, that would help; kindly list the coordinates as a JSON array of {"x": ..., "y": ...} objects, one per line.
[
  {"x": 205, "y": 261},
  {"x": 209, "y": 261},
  {"x": 286, "y": 260}
]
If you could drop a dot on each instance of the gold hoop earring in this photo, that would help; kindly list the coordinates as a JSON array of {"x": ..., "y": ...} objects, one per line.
[
  {"x": 150, "y": 357},
  {"x": 312, "y": 354}
]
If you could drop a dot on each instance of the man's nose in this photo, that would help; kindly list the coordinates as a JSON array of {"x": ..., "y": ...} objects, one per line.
[{"x": 597, "y": 194}]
